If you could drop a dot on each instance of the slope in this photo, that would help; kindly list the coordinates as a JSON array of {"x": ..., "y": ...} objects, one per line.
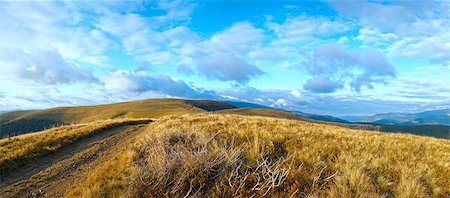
[
  {"x": 53, "y": 174},
  {"x": 239, "y": 104},
  {"x": 259, "y": 112},
  {"x": 318, "y": 117},
  {"x": 242, "y": 156},
  {"x": 309, "y": 116},
  {"x": 19, "y": 122}
]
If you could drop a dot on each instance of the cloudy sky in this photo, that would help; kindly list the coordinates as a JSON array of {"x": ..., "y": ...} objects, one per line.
[{"x": 336, "y": 58}]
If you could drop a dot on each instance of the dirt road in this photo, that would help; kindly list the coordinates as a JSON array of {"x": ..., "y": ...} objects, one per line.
[{"x": 54, "y": 175}]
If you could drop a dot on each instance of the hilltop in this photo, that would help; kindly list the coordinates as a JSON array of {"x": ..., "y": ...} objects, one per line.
[
  {"x": 19, "y": 122},
  {"x": 318, "y": 117},
  {"x": 310, "y": 116},
  {"x": 274, "y": 113}
]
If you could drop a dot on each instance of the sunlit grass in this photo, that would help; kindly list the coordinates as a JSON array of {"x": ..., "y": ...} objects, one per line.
[
  {"x": 15, "y": 151},
  {"x": 230, "y": 155}
]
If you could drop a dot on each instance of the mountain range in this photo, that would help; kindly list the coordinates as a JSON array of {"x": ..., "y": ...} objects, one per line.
[
  {"x": 318, "y": 117},
  {"x": 409, "y": 119}
]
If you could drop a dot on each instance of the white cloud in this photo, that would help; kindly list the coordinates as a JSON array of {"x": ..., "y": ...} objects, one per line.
[
  {"x": 279, "y": 103},
  {"x": 408, "y": 29},
  {"x": 175, "y": 10},
  {"x": 43, "y": 67},
  {"x": 122, "y": 24},
  {"x": 386, "y": 16},
  {"x": 322, "y": 85},
  {"x": 224, "y": 56},
  {"x": 43, "y": 25},
  {"x": 435, "y": 48},
  {"x": 42, "y": 41},
  {"x": 185, "y": 69},
  {"x": 426, "y": 39},
  {"x": 228, "y": 67},
  {"x": 240, "y": 38},
  {"x": 331, "y": 66},
  {"x": 343, "y": 40},
  {"x": 296, "y": 93},
  {"x": 123, "y": 81},
  {"x": 283, "y": 42},
  {"x": 153, "y": 37},
  {"x": 373, "y": 37},
  {"x": 306, "y": 30}
]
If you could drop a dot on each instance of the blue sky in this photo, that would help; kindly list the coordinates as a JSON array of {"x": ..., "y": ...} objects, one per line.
[{"x": 328, "y": 57}]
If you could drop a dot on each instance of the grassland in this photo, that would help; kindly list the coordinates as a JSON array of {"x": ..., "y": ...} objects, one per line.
[
  {"x": 273, "y": 113},
  {"x": 16, "y": 151},
  {"x": 240, "y": 156},
  {"x": 19, "y": 122}
]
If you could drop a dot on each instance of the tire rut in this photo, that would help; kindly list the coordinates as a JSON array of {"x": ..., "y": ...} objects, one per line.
[{"x": 55, "y": 174}]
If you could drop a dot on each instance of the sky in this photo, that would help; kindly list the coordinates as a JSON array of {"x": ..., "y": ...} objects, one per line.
[{"x": 326, "y": 57}]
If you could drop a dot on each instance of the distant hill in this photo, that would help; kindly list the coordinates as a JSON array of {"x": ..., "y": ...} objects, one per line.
[
  {"x": 439, "y": 131},
  {"x": 209, "y": 105},
  {"x": 310, "y": 116},
  {"x": 247, "y": 105},
  {"x": 7, "y": 116},
  {"x": 434, "y": 117},
  {"x": 274, "y": 113},
  {"x": 319, "y": 117},
  {"x": 227, "y": 156},
  {"x": 19, "y": 122},
  {"x": 353, "y": 118}
]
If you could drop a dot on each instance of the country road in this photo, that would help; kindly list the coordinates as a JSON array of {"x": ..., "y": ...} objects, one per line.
[{"x": 54, "y": 174}]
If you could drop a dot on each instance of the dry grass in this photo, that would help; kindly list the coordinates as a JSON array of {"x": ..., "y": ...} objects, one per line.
[
  {"x": 20, "y": 122},
  {"x": 112, "y": 179},
  {"x": 150, "y": 108},
  {"x": 273, "y": 113},
  {"x": 15, "y": 151},
  {"x": 241, "y": 156}
]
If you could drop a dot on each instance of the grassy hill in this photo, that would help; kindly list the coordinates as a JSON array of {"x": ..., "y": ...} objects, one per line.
[
  {"x": 229, "y": 155},
  {"x": 326, "y": 118},
  {"x": 18, "y": 122},
  {"x": 7, "y": 116},
  {"x": 439, "y": 131},
  {"x": 247, "y": 105},
  {"x": 259, "y": 112},
  {"x": 241, "y": 156}
]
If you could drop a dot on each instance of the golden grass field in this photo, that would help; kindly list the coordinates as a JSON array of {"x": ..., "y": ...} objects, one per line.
[
  {"x": 19, "y": 122},
  {"x": 217, "y": 155},
  {"x": 15, "y": 151},
  {"x": 273, "y": 113},
  {"x": 150, "y": 108}
]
